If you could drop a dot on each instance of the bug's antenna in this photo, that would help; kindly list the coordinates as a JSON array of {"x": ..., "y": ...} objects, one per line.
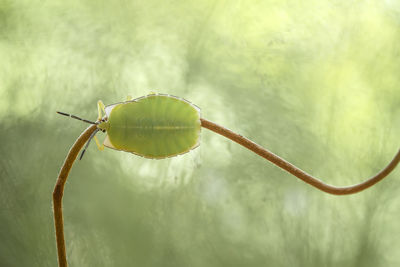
[
  {"x": 75, "y": 117},
  {"x": 88, "y": 142}
]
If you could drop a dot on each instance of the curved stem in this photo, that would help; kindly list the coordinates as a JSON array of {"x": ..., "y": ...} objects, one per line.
[
  {"x": 278, "y": 161},
  {"x": 59, "y": 191},
  {"x": 84, "y": 137}
]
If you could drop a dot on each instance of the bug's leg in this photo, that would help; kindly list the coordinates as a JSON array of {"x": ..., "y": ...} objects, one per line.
[
  {"x": 88, "y": 142},
  {"x": 100, "y": 147},
  {"x": 129, "y": 98},
  {"x": 100, "y": 109}
]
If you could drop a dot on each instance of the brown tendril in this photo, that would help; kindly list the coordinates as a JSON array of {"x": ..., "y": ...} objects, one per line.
[{"x": 84, "y": 137}]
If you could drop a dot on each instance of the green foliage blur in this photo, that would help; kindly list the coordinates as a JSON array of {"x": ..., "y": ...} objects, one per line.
[{"x": 316, "y": 82}]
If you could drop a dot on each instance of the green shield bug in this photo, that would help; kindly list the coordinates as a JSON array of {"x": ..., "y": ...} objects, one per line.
[{"x": 154, "y": 126}]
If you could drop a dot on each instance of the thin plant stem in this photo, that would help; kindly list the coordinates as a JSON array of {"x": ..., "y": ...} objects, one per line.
[
  {"x": 84, "y": 137},
  {"x": 287, "y": 166},
  {"x": 59, "y": 192}
]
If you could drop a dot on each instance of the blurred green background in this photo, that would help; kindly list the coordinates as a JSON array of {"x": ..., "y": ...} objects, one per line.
[{"x": 316, "y": 82}]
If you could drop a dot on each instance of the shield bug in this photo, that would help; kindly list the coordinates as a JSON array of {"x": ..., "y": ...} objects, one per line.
[{"x": 154, "y": 126}]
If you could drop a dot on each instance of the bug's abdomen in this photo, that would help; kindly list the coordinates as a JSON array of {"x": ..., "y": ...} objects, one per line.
[{"x": 155, "y": 126}]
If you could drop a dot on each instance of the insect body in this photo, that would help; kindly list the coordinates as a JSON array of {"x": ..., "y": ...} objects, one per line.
[{"x": 153, "y": 126}]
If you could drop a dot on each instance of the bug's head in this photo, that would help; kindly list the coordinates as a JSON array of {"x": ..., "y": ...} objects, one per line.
[{"x": 103, "y": 124}]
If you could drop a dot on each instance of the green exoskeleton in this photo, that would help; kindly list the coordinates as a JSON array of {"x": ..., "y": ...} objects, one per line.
[{"x": 154, "y": 126}]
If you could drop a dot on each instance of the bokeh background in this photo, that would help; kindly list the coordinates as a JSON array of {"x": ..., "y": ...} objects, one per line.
[{"x": 316, "y": 82}]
